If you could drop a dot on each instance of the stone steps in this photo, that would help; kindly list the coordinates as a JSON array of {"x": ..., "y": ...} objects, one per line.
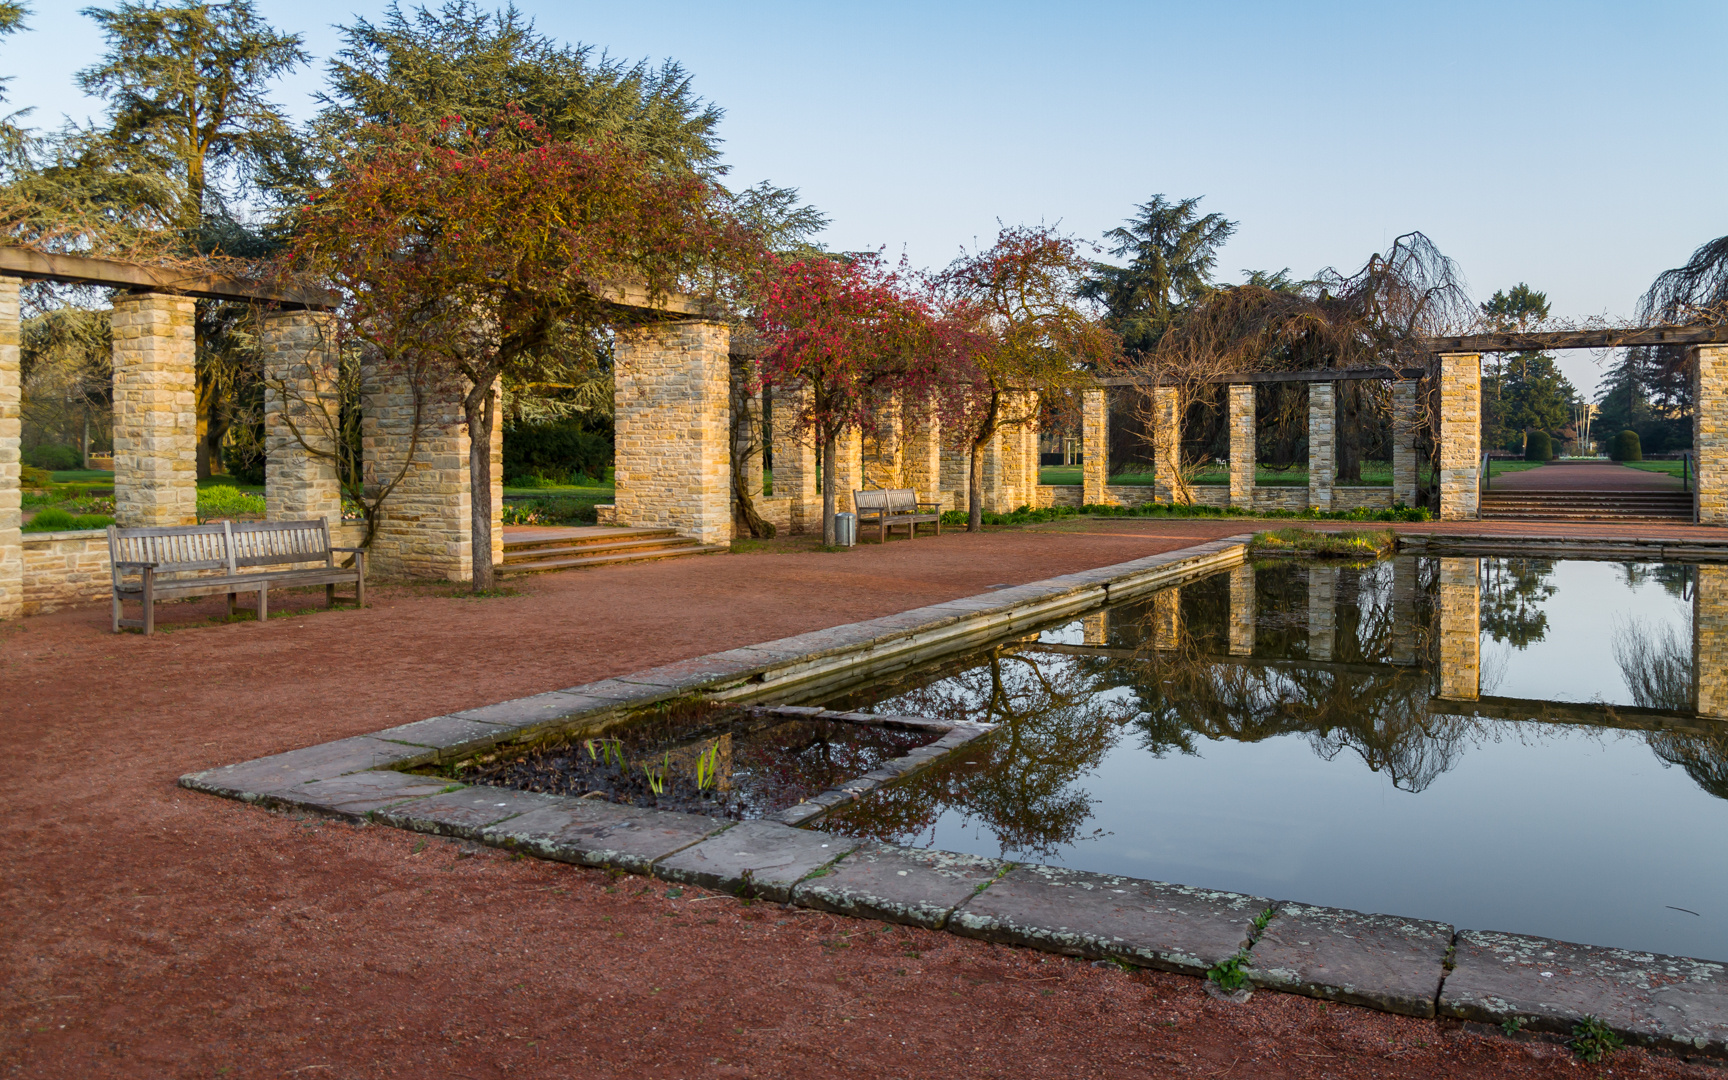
[
  {"x": 614, "y": 546},
  {"x": 1673, "y": 506}
]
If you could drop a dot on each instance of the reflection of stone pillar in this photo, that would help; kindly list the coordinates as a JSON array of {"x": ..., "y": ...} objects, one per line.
[
  {"x": 1710, "y": 641},
  {"x": 1242, "y": 448},
  {"x": 1404, "y": 610},
  {"x": 1094, "y": 448},
  {"x": 1460, "y": 602},
  {"x": 795, "y": 456},
  {"x": 1167, "y": 618},
  {"x": 302, "y": 417},
  {"x": 1242, "y": 609},
  {"x": 1404, "y": 425},
  {"x": 674, "y": 428},
  {"x": 1166, "y": 443},
  {"x": 1710, "y": 432},
  {"x": 882, "y": 463},
  {"x": 1322, "y": 611},
  {"x": 155, "y": 411},
  {"x": 11, "y": 399},
  {"x": 1322, "y": 438},
  {"x": 1095, "y": 628},
  {"x": 1460, "y": 435}
]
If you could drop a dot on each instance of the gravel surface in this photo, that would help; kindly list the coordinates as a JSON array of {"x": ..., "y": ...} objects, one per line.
[{"x": 147, "y": 931}]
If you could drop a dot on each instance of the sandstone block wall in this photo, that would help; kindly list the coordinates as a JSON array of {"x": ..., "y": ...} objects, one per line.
[
  {"x": 1709, "y": 364},
  {"x": 848, "y": 466},
  {"x": 1405, "y": 420},
  {"x": 882, "y": 449},
  {"x": 1242, "y": 448},
  {"x": 1322, "y": 444},
  {"x": 1167, "y": 619},
  {"x": 1353, "y": 498},
  {"x": 922, "y": 430},
  {"x": 1460, "y": 435},
  {"x": 673, "y": 464},
  {"x": 64, "y": 568},
  {"x": 1094, "y": 447},
  {"x": 302, "y": 417},
  {"x": 794, "y": 458},
  {"x": 11, "y": 433},
  {"x": 155, "y": 411},
  {"x": 1167, "y": 442},
  {"x": 956, "y": 482},
  {"x": 1710, "y": 641},
  {"x": 1059, "y": 495},
  {"x": 1244, "y": 602},
  {"x": 426, "y": 526}
]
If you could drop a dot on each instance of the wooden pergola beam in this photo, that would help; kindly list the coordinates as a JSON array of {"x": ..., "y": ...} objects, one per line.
[
  {"x": 1540, "y": 341},
  {"x": 1318, "y": 375}
]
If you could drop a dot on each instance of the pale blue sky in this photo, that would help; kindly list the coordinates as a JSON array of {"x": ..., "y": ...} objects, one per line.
[{"x": 1576, "y": 146}]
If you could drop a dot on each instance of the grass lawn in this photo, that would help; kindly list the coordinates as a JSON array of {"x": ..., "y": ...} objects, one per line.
[
  {"x": 83, "y": 476},
  {"x": 1374, "y": 474},
  {"x": 1672, "y": 468}
]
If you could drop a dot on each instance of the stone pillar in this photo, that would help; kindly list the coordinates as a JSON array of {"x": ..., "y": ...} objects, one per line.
[
  {"x": 956, "y": 477},
  {"x": 1095, "y": 628},
  {"x": 1710, "y": 641},
  {"x": 795, "y": 457},
  {"x": 848, "y": 471},
  {"x": 1166, "y": 443},
  {"x": 882, "y": 448},
  {"x": 1094, "y": 448},
  {"x": 426, "y": 528},
  {"x": 1243, "y": 608},
  {"x": 1242, "y": 449},
  {"x": 673, "y": 463},
  {"x": 155, "y": 411},
  {"x": 1403, "y": 645},
  {"x": 11, "y": 434},
  {"x": 1405, "y": 420},
  {"x": 1709, "y": 364},
  {"x": 921, "y": 429},
  {"x": 1460, "y": 602},
  {"x": 995, "y": 497},
  {"x": 1322, "y": 611},
  {"x": 748, "y": 437},
  {"x": 1167, "y": 618},
  {"x": 302, "y": 417},
  {"x": 1460, "y": 435},
  {"x": 1322, "y": 449}
]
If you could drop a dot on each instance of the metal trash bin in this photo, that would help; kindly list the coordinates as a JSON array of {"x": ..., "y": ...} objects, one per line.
[{"x": 845, "y": 529}]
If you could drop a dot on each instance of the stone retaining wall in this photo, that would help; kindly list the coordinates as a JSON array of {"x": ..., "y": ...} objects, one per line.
[{"x": 63, "y": 568}]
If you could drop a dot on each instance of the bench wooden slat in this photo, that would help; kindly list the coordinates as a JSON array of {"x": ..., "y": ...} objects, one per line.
[{"x": 887, "y": 508}]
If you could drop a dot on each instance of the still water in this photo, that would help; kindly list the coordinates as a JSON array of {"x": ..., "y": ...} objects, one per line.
[{"x": 1502, "y": 744}]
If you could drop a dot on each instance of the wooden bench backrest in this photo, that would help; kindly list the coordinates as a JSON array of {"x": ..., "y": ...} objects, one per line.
[
  {"x": 902, "y": 501},
  {"x": 173, "y": 548},
  {"x": 265, "y": 543},
  {"x": 871, "y": 501}
]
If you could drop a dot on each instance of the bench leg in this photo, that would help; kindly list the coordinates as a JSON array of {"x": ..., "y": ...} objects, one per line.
[
  {"x": 263, "y": 603},
  {"x": 360, "y": 583},
  {"x": 149, "y": 602},
  {"x": 231, "y": 598},
  {"x": 330, "y": 596},
  {"x": 116, "y": 613}
]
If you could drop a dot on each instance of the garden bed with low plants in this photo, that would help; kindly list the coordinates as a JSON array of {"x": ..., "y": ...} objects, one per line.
[{"x": 722, "y": 761}]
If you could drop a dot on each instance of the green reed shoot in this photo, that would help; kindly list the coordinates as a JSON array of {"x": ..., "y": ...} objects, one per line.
[{"x": 708, "y": 766}]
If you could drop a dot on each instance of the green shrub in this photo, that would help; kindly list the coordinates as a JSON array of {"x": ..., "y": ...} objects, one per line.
[
  {"x": 32, "y": 477},
  {"x": 55, "y": 519},
  {"x": 555, "y": 451},
  {"x": 1625, "y": 447},
  {"x": 224, "y": 500},
  {"x": 1538, "y": 447},
  {"x": 54, "y": 458},
  {"x": 1514, "y": 443}
]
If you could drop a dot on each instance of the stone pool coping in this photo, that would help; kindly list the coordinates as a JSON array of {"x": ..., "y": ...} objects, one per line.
[{"x": 1407, "y": 966}]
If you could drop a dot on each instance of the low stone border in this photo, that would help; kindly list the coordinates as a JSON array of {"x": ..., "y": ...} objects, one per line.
[
  {"x": 1406, "y": 966},
  {"x": 1678, "y": 549}
]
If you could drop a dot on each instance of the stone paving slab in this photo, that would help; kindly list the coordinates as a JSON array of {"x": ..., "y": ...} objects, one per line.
[
  {"x": 354, "y": 797},
  {"x": 695, "y": 672},
  {"x": 465, "y": 813},
  {"x": 1380, "y": 961},
  {"x": 899, "y": 885},
  {"x": 537, "y": 711},
  {"x": 592, "y": 832},
  {"x": 250, "y": 779},
  {"x": 756, "y": 858},
  {"x": 451, "y": 736},
  {"x": 1670, "y": 1002},
  {"x": 1101, "y": 916}
]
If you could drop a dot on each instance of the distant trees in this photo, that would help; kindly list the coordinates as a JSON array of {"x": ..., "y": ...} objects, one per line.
[{"x": 1172, "y": 250}]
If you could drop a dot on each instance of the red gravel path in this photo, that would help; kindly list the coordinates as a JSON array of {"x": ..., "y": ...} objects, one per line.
[
  {"x": 1585, "y": 476},
  {"x": 146, "y": 931}
]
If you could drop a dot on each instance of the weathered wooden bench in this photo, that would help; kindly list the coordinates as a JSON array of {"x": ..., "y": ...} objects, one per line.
[
  {"x": 222, "y": 557},
  {"x": 889, "y": 507}
]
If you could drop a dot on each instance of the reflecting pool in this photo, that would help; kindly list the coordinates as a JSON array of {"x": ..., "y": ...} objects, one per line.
[{"x": 1502, "y": 744}]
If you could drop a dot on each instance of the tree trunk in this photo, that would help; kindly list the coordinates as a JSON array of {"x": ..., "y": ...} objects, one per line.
[
  {"x": 828, "y": 451},
  {"x": 478, "y": 411},
  {"x": 84, "y": 446},
  {"x": 975, "y": 497}
]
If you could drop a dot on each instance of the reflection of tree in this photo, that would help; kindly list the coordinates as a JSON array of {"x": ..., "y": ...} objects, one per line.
[
  {"x": 1675, "y": 578},
  {"x": 1019, "y": 781},
  {"x": 1512, "y": 592},
  {"x": 1703, "y": 756},
  {"x": 1656, "y": 664}
]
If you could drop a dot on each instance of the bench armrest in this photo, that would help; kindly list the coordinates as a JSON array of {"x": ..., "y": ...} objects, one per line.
[
  {"x": 922, "y": 504},
  {"x": 136, "y": 565},
  {"x": 350, "y": 549}
]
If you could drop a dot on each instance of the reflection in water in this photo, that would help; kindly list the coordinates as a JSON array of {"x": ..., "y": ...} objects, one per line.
[{"x": 1376, "y": 665}]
